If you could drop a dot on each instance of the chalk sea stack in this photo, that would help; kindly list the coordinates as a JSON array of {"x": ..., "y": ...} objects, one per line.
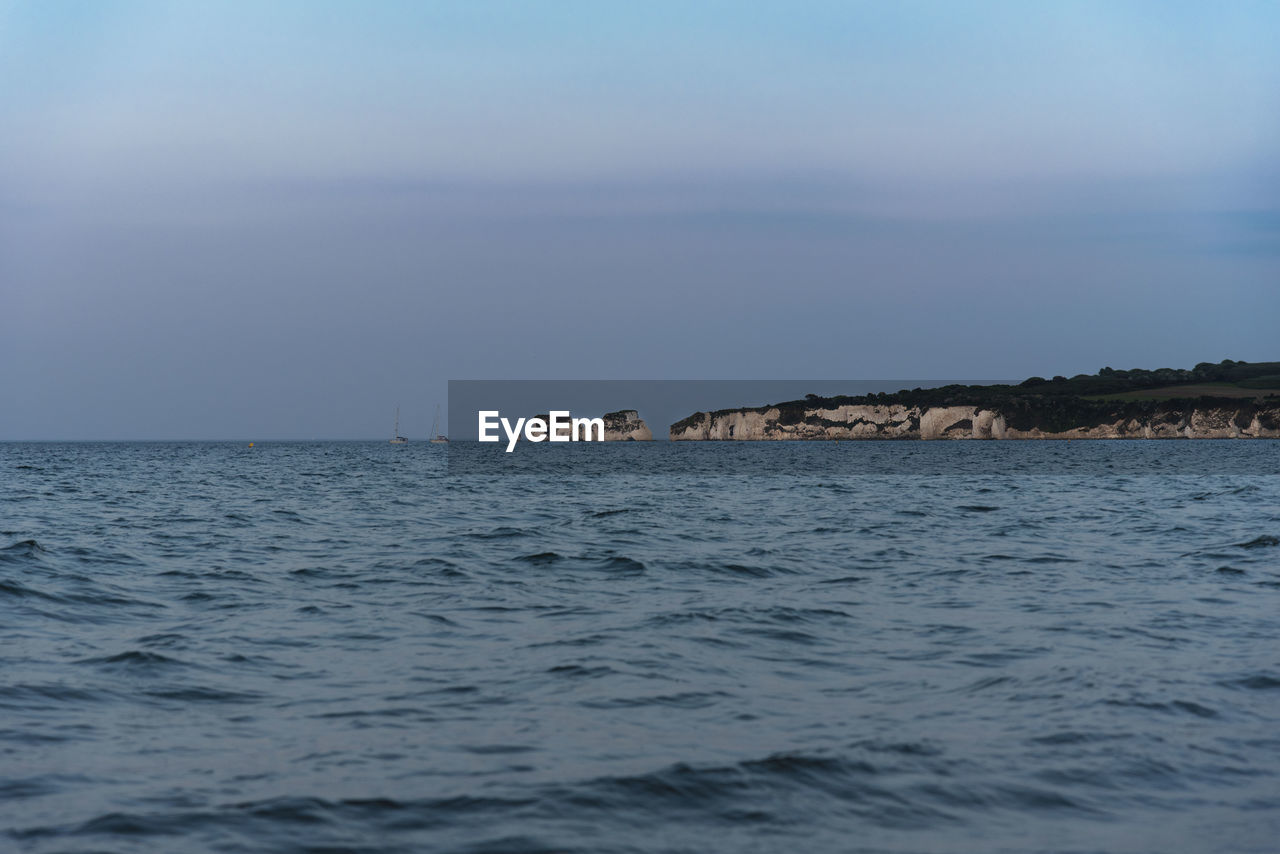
[{"x": 626, "y": 425}]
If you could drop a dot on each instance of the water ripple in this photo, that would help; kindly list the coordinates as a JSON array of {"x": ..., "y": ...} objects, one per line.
[{"x": 337, "y": 647}]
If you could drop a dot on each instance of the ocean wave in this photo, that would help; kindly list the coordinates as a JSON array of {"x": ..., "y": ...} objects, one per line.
[{"x": 633, "y": 664}]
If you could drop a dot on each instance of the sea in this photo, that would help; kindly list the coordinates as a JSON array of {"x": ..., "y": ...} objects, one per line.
[{"x": 739, "y": 647}]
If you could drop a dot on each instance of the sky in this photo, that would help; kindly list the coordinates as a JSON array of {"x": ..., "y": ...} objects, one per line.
[{"x": 283, "y": 220}]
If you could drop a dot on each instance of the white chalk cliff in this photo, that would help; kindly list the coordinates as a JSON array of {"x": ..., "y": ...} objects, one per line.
[{"x": 897, "y": 421}]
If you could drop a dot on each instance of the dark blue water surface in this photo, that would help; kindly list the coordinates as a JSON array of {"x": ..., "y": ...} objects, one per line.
[{"x": 338, "y": 647}]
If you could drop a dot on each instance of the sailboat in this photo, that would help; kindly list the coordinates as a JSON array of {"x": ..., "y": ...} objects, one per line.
[
  {"x": 438, "y": 438},
  {"x": 397, "y": 439}
]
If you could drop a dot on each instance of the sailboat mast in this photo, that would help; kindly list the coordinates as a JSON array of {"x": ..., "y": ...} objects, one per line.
[{"x": 397, "y": 439}]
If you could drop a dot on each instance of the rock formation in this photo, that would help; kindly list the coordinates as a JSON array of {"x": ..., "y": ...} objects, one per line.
[
  {"x": 1203, "y": 419},
  {"x": 1227, "y": 400},
  {"x": 626, "y": 425}
]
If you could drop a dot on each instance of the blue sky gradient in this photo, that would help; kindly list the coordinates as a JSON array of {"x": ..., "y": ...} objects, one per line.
[{"x": 280, "y": 220}]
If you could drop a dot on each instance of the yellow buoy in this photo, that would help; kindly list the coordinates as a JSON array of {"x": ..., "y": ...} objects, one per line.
[{"x": 250, "y": 444}]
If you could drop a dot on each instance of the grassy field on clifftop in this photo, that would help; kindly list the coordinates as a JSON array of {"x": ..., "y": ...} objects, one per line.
[{"x": 1243, "y": 390}]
